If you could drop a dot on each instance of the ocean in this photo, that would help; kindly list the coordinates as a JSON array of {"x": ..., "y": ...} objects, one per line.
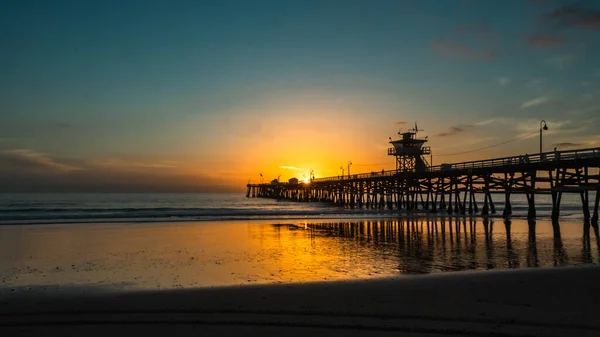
[{"x": 49, "y": 208}]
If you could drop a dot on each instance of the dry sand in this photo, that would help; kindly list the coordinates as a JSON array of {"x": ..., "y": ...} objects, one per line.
[{"x": 527, "y": 302}]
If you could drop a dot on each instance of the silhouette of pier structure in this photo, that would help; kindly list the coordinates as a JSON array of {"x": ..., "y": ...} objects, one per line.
[{"x": 415, "y": 185}]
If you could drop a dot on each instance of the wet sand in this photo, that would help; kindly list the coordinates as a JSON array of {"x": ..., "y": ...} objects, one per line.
[
  {"x": 115, "y": 257},
  {"x": 183, "y": 279},
  {"x": 545, "y": 301}
]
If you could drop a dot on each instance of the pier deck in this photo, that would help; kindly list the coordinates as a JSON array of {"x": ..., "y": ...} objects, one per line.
[{"x": 452, "y": 187}]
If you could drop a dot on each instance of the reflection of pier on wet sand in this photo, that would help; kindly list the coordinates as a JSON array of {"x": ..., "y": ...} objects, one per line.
[{"x": 453, "y": 244}]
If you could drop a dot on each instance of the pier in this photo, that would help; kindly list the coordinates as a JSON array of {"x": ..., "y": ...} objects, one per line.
[{"x": 452, "y": 188}]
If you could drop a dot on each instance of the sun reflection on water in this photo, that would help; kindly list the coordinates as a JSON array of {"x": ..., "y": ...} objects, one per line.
[{"x": 151, "y": 256}]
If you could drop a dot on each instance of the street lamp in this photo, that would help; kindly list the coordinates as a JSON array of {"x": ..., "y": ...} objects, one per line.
[
  {"x": 349, "y": 163},
  {"x": 543, "y": 126},
  {"x": 342, "y": 168}
]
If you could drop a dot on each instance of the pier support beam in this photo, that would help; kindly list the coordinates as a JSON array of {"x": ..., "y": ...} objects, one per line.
[
  {"x": 508, "y": 179},
  {"x": 531, "y": 196},
  {"x": 596, "y": 202},
  {"x": 450, "y": 196}
]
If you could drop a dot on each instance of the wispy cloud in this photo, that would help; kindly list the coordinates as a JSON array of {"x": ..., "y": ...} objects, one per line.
[
  {"x": 574, "y": 16},
  {"x": 586, "y": 84},
  {"x": 545, "y": 40},
  {"x": 293, "y": 168},
  {"x": 527, "y": 126},
  {"x": 401, "y": 123},
  {"x": 545, "y": 2},
  {"x": 534, "y": 102},
  {"x": 486, "y": 122},
  {"x": 503, "y": 81},
  {"x": 567, "y": 144},
  {"x": 453, "y": 130},
  {"x": 115, "y": 163},
  {"x": 456, "y": 49},
  {"x": 29, "y": 160},
  {"x": 496, "y": 120}
]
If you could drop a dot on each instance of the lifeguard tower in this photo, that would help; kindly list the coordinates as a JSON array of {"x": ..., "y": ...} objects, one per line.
[{"x": 409, "y": 151}]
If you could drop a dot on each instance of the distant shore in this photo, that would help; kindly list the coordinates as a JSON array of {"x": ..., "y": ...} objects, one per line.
[{"x": 547, "y": 301}]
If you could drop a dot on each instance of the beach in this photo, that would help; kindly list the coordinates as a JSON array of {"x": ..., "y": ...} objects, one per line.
[
  {"x": 150, "y": 256},
  {"x": 416, "y": 275},
  {"x": 549, "y": 302}
]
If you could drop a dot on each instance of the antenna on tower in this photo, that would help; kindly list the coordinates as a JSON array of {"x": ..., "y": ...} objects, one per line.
[{"x": 416, "y": 129}]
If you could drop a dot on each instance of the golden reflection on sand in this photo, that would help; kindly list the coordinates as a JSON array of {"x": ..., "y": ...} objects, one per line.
[{"x": 183, "y": 255}]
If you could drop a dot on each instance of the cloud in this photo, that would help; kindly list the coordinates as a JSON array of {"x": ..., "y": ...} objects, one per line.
[
  {"x": 574, "y": 16},
  {"x": 545, "y": 41},
  {"x": 455, "y": 49},
  {"x": 116, "y": 163},
  {"x": 486, "y": 122},
  {"x": 503, "y": 81},
  {"x": 453, "y": 130},
  {"x": 293, "y": 168},
  {"x": 496, "y": 120},
  {"x": 560, "y": 62},
  {"x": 401, "y": 123},
  {"x": 544, "y": 2},
  {"x": 567, "y": 144},
  {"x": 28, "y": 160},
  {"x": 534, "y": 102},
  {"x": 585, "y": 84}
]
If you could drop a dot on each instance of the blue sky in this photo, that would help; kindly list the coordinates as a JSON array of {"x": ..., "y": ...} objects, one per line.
[{"x": 203, "y": 93}]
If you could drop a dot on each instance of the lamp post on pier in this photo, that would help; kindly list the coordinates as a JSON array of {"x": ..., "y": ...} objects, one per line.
[
  {"x": 543, "y": 127},
  {"x": 342, "y": 168},
  {"x": 349, "y": 163}
]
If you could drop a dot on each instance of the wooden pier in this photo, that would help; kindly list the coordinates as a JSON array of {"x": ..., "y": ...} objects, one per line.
[{"x": 452, "y": 188}]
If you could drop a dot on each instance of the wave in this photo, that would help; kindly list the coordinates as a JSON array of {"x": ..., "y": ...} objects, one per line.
[{"x": 168, "y": 214}]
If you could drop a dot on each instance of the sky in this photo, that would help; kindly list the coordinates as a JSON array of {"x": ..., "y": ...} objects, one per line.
[{"x": 204, "y": 96}]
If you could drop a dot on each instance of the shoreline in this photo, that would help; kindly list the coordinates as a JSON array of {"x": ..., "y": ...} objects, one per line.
[
  {"x": 325, "y": 217},
  {"x": 544, "y": 301}
]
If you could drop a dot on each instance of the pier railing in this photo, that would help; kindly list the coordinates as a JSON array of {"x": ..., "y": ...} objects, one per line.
[{"x": 546, "y": 157}]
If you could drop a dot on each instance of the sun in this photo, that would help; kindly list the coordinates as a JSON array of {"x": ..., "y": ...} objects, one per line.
[{"x": 306, "y": 180}]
